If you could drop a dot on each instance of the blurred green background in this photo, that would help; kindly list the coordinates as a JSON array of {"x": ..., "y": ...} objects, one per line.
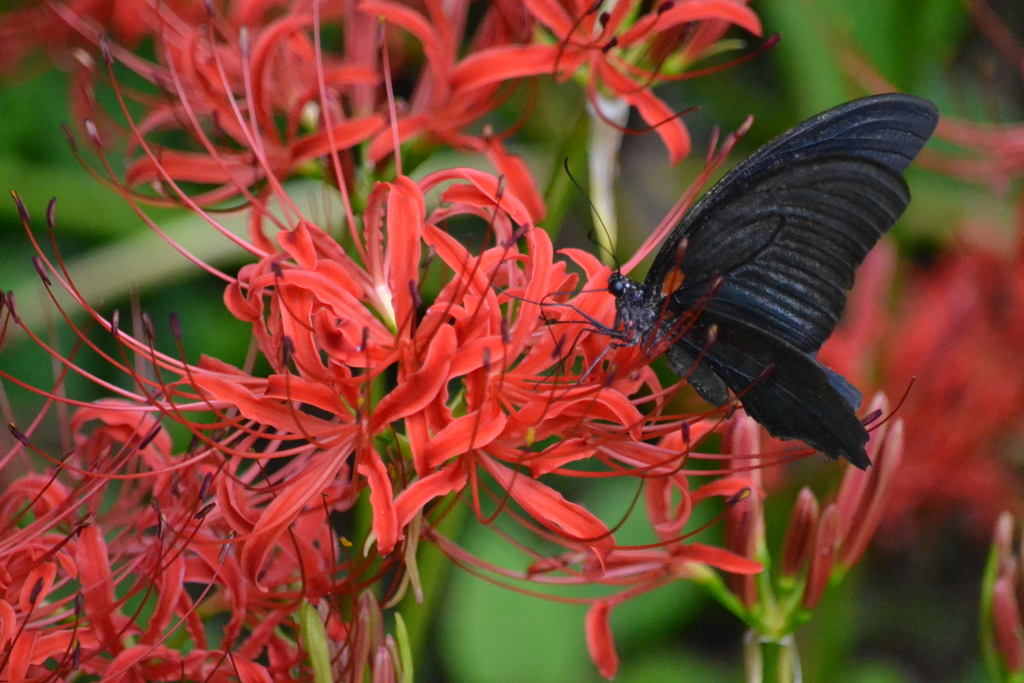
[{"x": 907, "y": 613}]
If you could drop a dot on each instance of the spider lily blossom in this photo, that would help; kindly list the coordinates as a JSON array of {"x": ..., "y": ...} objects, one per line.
[{"x": 619, "y": 52}]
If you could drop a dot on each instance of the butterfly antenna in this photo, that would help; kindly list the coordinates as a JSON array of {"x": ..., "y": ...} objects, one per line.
[{"x": 594, "y": 212}]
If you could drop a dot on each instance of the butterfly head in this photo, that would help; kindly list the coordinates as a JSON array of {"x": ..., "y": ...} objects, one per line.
[{"x": 634, "y": 319}]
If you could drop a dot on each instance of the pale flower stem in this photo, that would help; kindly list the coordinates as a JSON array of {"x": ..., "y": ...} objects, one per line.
[
  {"x": 603, "y": 146},
  {"x": 771, "y": 661}
]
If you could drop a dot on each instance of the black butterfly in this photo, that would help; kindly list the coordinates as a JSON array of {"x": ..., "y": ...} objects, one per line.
[{"x": 763, "y": 263}]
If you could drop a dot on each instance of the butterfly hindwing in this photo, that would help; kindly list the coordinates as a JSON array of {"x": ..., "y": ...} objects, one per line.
[{"x": 785, "y": 390}]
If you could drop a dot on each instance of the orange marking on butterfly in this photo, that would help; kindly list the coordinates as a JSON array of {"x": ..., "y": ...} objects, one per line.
[{"x": 673, "y": 282}]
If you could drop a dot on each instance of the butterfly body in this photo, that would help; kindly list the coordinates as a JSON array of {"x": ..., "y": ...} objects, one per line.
[{"x": 754, "y": 278}]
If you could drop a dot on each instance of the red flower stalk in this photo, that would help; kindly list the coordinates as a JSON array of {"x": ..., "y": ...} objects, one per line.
[
  {"x": 845, "y": 528},
  {"x": 818, "y": 548},
  {"x": 862, "y": 498}
]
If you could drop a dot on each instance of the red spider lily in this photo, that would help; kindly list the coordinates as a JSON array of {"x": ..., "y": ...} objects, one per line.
[
  {"x": 612, "y": 52},
  {"x": 39, "y": 26},
  {"x": 498, "y": 348},
  {"x": 262, "y": 99},
  {"x": 491, "y": 387},
  {"x": 960, "y": 335},
  {"x": 124, "y": 523},
  {"x": 78, "y": 559},
  {"x": 407, "y": 371},
  {"x": 501, "y": 327},
  {"x": 956, "y": 338}
]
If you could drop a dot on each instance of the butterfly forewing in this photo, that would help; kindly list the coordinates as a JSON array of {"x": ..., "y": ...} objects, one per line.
[
  {"x": 788, "y": 227},
  {"x": 787, "y": 247}
]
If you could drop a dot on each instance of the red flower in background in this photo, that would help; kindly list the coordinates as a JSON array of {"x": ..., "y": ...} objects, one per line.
[
  {"x": 959, "y": 334},
  {"x": 260, "y": 98},
  {"x": 951, "y": 344},
  {"x": 954, "y": 335},
  {"x": 620, "y": 51}
]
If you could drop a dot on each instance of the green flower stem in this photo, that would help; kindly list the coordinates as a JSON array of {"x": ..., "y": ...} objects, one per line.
[
  {"x": 559, "y": 192},
  {"x": 771, "y": 661},
  {"x": 434, "y": 569},
  {"x": 986, "y": 632}
]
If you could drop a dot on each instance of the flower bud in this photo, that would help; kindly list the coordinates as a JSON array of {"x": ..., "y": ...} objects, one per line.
[
  {"x": 803, "y": 522},
  {"x": 823, "y": 557}
]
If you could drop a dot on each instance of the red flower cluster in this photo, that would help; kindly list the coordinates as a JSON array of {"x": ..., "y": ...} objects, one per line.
[
  {"x": 408, "y": 370},
  {"x": 960, "y": 335},
  {"x": 494, "y": 377}
]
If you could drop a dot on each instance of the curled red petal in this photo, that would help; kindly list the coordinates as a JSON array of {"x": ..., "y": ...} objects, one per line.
[
  {"x": 652, "y": 109},
  {"x": 600, "y": 642},
  {"x": 419, "y": 388},
  {"x": 719, "y": 557},
  {"x": 385, "y": 517},
  {"x": 97, "y": 583},
  {"x": 692, "y": 10},
  {"x": 282, "y": 511},
  {"x": 406, "y": 211},
  {"x": 43, "y": 575},
  {"x": 473, "y": 430},
  {"x": 559, "y": 454},
  {"x": 194, "y": 167},
  {"x": 726, "y": 486},
  {"x": 519, "y": 179},
  {"x": 422, "y": 491},
  {"x": 299, "y": 245},
  {"x": 8, "y": 624},
  {"x": 503, "y": 63},
  {"x": 274, "y": 412},
  {"x": 553, "y": 15},
  {"x": 170, "y": 586},
  {"x": 415, "y": 23},
  {"x": 551, "y": 509},
  {"x": 342, "y": 136}
]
